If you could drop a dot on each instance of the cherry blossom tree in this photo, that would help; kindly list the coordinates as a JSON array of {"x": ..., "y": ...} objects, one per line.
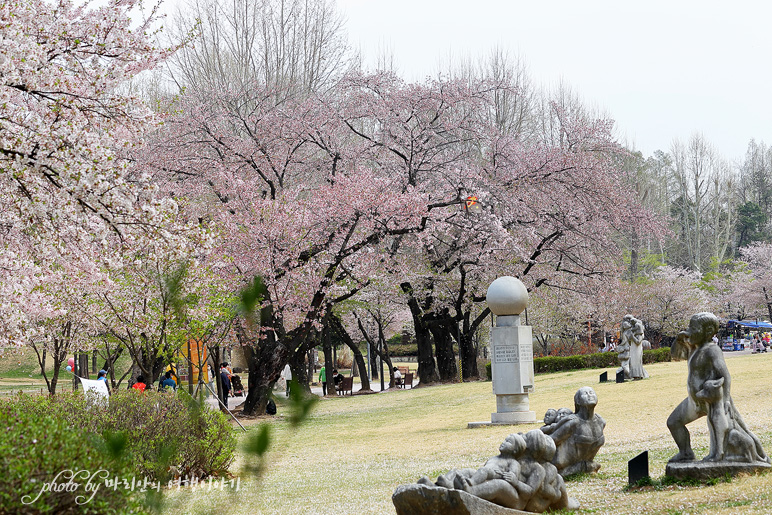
[
  {"x": 303, "y": 197},
  {"x": 61, "y": 327},
  {"x": 317, "y": 195},
  {"x": 752, "y": 283},
  {"x": 66, "y": 184}
]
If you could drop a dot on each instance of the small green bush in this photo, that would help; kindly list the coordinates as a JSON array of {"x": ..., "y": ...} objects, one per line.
[
  {"x": 546, "y": 364},
  {"x": 197, "y": 442},
  {"x": 36, "y": 446}
]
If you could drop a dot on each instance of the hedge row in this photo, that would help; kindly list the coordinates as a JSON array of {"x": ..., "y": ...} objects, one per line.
[
  {"x": 547, "y": 364},
  {"x": 399, "y": 350}
]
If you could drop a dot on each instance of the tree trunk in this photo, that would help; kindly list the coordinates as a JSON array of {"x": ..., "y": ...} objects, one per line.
[
  {"x": 42, "y": 363},
  {"x": 389, "y": 365},
  {"x": 54, "y": 381},
  {"x": 266, "y": 360},
  {"x": 329, "y": 364},
  {"x": 443, "y": 345},
  {"x": 297, "y": 364},
  {"x": 75, "y": 380},
  {"x": 359, "y": 359},
  {"x": 634, "y": 243},
  {"x": 83, "y": 365},
  {"x": 427, "y": 372},
  {"x": 467, "y": 355},
  {"x": 768, "y": 303},
  {"x": 467, "y": 350}
]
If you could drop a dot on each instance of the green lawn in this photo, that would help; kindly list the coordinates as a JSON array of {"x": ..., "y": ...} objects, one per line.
[{"x": 353, "y": 452}]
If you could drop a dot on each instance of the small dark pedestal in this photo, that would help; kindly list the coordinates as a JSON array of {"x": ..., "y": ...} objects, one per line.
[
  {"x": 604, "y": 377},
  {"x": 638, "y": 468},
  {"x": 621, "y": 376}
]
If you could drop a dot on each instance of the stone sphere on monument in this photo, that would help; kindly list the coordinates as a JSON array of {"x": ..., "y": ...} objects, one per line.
[{"x": 507, "y": 296}]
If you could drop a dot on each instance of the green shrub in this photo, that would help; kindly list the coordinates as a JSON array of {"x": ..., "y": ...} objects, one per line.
[
  {"x": 197, "y": 442},
  {"x": 660, "y": 355},
  {"x": 36, "y": 446},
  {"x": 546, "y": 364},
  {"x": 162, "y": 430},
  {"x": 400, "y": 350}
]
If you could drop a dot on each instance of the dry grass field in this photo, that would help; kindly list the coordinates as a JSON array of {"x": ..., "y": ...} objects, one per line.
[{"x": 352, "y": 453}]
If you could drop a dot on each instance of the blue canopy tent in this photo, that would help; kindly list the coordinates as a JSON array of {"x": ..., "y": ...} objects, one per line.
[{"x": 750, "y": 324}]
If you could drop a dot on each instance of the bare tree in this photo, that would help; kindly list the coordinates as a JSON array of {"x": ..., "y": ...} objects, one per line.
[
  {"x": 695, "y": 168},
  {"x": 287, "y": 46},
  {"x": 515, "y": 101}
]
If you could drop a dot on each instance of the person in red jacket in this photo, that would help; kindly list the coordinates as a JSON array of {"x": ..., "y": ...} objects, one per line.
[{"x": 140, "y": 384}]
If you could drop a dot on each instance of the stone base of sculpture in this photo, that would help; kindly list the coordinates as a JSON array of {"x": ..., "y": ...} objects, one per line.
[
  {"x": 713, "y": 469},
  {"x": 412, "y": 499},
  {"x": 513, "y": 417}
]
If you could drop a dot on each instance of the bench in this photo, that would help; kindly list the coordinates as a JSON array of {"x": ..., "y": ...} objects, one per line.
[
  {"x": 400, "y": 381},
  {"x": 406, "y": 380},
  {"x": 346, "y": 385}
]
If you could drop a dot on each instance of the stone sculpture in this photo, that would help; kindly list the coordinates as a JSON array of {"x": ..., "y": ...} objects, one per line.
[
  {"x": 623, "y": 349},
  {"x": 631, "y": 348},
  {"x": 578, "y": 435},
  {"x": 733, "y": 447},
  {"x": 521, "y": 477}
]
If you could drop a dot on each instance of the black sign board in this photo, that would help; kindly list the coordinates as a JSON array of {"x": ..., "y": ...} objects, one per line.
[{"x": 638, "y": 468}]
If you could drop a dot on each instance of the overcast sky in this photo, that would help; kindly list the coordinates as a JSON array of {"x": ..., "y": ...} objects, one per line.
[{"x": 661, "y": 69}]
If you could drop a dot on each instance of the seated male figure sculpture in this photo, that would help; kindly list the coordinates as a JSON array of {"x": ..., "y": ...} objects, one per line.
[{"x": 708, "y": 386}]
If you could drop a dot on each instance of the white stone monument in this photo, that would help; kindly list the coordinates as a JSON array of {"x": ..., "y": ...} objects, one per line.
[{"x": 511, "y": 353}]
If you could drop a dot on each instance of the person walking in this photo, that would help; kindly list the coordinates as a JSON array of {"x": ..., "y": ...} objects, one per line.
[
  {"x": 287, "y": 373},
  {"x": 323, "y": 380}
]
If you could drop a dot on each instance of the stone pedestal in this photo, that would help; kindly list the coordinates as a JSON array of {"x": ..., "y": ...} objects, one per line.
[
  {"x": 511, "y": 354},
  {"x": 713, "y": 469},
  {"x": 425, "y": 500},
  {"x": 512, "y": 370}
]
